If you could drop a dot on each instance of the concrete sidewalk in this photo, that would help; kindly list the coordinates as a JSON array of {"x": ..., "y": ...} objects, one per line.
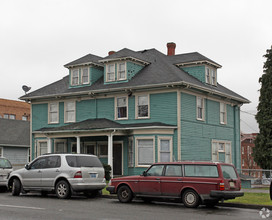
[{"x": 256, "y": 190}]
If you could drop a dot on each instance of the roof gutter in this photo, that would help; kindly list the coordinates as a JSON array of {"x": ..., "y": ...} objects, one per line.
[{"x": 150, "y": 86}]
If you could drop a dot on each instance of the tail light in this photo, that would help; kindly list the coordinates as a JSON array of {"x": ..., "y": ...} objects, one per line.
[
  {"x": 222, "y": 185},
  {"x": 78, "y": 174}
]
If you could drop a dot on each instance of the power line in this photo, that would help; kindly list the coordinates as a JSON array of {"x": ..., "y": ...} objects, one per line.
[
  {"x": 248, "y": 113},
  {"x": 249, "y": 126}
]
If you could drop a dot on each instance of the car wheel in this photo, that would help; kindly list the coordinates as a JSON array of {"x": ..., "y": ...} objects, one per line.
[
  {"x": 190, "y": 199},
  {"x": 16, "y": 187},
  {"x": 63, "y": 190},
  {"x": 124, "y": 194}
]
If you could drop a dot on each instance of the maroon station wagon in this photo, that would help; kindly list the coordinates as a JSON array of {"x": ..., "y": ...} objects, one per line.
[{"x": 193, "y": 183}]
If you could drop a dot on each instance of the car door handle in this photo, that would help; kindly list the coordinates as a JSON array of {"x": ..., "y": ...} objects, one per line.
[
  {"x": 57, "y": 170},
  {"x": 157, "y": 178},
  {"x": 39, "y": 171},
  {"x": 179, "y": 179}
]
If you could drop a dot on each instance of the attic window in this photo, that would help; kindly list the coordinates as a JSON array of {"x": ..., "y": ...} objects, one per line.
[
  {"x": 85, "y": 76},
  {"x": 122, "y": 71},
  {"x": 110, "y": 72},
  {"x": 75, "y": 77},
  {"x": 210, "y": 76}
]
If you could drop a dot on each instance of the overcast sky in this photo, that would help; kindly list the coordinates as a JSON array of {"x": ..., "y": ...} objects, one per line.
[{"x": 37, "y": 37}]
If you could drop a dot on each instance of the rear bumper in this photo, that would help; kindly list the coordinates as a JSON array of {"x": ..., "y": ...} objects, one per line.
[
  {"x": 111, "y": 189},
  {"x": 81, "y": 187},
  {"x": 225, "y": 194}
]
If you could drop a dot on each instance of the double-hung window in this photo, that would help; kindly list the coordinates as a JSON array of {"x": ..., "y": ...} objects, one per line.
[
  {"x": 75, "y": 77},
  {"x": 221, "y": 151},
  {"x": 200, "y": 108},
  {"x": 42, "y": 148},
  {"x": 121, "y": 71},
  {"x": 223, "y": 113},
  {"x": 110, "y": 72},
  {"x": 165, "y": 149},
  {"x": 121, "y": 108},
  {"x": 208, "y": 76},
  {"x": 85, "y": 75},
  {"x": 213, "y": 77},
  {"x": 145, "y": 151},
  {"x": 53, "y": 113},
  {"x": 142, "y": 106},
  {"x": 60, "y": 146},
  {"x": 70, "y": 111}
]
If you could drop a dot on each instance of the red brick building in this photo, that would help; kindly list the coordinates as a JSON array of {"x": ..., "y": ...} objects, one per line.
[
  {"x": 247, "y": 145},
  {"x": 11, "y": 109}
]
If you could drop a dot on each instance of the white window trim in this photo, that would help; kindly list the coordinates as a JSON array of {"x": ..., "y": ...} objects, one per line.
[
  {"x": 136, "y": 104},
  {"x": 116, "y": 111},
  {"x": 210, "y": 81},
  {"x": 136, "y": 149},
  {"x": 72, "y": 76},
  {"x": 39, "y": 146},
  {"x": 170, "y": 139},
  {"x": 132, "y": 162},
  {"x": 225, "y": 111},
  {"x": 65, "y": 111},
  {"x": 203, "y": 109},
  {"x": 91, "y": 143},
  {"x": 225, "y": 142},
  {"x": 55, "y": 122},
  {"x": 118, "y": 76},
  {"x": 58, "y": 141},
  {"x": 88, "y": 68},
  {"x": 107, "y": 71}
]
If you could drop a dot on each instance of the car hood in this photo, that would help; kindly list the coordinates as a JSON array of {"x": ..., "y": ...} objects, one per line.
[{"x": 17, "y": 171}]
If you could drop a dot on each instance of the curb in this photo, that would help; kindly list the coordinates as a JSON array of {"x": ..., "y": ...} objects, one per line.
[{"x": 232, "y": 205}]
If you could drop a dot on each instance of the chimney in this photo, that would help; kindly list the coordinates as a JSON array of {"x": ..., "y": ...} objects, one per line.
[
  {"x": 111, "y": 52},
  {"x": 171, "y": 49}
]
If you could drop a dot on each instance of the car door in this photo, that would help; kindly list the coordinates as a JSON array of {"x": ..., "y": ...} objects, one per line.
[
  {"x": 32, "y": 176},
  {"x": 150, "y": 182},
  {"x": 51, "y": 171},
  {"x": 171, "y": 182}
]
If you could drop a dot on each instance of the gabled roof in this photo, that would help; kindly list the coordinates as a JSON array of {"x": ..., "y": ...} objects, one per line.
[
  {"x": 161, "y": 71},
  {"x": 88, "y": 59},
  {"x": 14, "y": 133},
  {"x": 101, "y": 124}
]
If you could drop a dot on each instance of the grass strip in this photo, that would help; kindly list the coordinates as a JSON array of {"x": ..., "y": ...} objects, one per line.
[{"x": 252, "y": 198}]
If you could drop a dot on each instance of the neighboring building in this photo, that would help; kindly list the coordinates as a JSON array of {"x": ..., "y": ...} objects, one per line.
[
  {"x": 136, "y": 108},
  {"x": 15, "y": 141},
  {"x": 248, "y": 163},
  {"x": 10, "y": 109}
]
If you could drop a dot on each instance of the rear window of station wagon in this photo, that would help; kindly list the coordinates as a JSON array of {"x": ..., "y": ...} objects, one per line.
[
  {"x": 228, "y": 172},
  {"x": 83, "y": 161},
  {"x": 200, "y": 170}
]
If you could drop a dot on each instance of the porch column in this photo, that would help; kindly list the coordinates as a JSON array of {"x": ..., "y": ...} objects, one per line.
[
  {"x": 78, "y": 144},
  {"x": 49, "y": 145},
  {"x": 110, "y": 153}
]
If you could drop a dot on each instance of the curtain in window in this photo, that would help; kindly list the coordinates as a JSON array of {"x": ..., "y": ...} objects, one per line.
[
  {"x": 122, "y": 107},
  {"x": 145, "y": 152}
]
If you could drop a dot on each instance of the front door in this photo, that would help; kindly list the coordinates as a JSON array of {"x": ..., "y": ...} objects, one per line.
[{"x": 117, "y": 159}]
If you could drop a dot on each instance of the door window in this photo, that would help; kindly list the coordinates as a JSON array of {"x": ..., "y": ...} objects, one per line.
[
  {"x": 155, "y": 170},
  {"x": 38, "y": 164},
  {"x": 53, "y": 162}
]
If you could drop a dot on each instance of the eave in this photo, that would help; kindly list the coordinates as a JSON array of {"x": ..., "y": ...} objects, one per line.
[
  {"x": 124, "y": 58},
  {"x": 199, "y": 62},
  {"x": 84, "y": 64}
]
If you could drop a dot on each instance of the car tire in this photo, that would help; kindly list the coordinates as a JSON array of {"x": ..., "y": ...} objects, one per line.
[
  {"x": 63, "y": 190},
  {"x": 124, "y": 194},
  {"x": 190, "y": 199},
  {"x": 16, "y": 187}
]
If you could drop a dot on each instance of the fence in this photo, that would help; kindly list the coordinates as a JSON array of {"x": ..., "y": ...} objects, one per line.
[{"x": 252, "y": 178}]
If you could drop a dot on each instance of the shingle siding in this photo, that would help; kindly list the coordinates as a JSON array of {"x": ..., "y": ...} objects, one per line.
[{"x": 196, "y": 71}]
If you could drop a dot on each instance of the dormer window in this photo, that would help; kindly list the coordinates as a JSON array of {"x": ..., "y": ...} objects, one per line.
[
  {"x": 110, "y": 72},
  {"x": 75, "y": 77},
  {"x": 85, "y": 76},
  {"x": 122, "y": 71},
  {"x": 210, "y": 76}
]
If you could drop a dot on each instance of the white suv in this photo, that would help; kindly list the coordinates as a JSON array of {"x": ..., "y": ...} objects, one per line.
[
  {"x": 62, "y": 173},
  {"x": 5, "y": 169}
]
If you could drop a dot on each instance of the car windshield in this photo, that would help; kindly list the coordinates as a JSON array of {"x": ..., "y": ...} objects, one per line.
[
  {"x": 228, "y": 172},
  {"x": 5, "y": 164},
  {"x": 83, "y": 161}
]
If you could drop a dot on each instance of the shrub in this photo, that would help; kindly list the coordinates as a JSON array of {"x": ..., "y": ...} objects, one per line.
[{"x": 107, "y": 169}]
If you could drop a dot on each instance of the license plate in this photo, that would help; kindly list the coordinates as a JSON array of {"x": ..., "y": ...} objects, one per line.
[
  {"x": 232, "y": 185},
  {"x": 93, "y": 175}
]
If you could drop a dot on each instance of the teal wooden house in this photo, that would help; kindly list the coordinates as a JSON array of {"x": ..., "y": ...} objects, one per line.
[{"x": 134, "y": 108}]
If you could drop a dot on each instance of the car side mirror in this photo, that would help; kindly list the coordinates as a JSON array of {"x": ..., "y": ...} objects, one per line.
[
  {"x": 144, "y": 173},
  {"x": 27, "y": 167}
]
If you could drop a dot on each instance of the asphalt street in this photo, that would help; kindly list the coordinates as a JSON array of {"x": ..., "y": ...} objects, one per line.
[{"x": 34, "y": 206}]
